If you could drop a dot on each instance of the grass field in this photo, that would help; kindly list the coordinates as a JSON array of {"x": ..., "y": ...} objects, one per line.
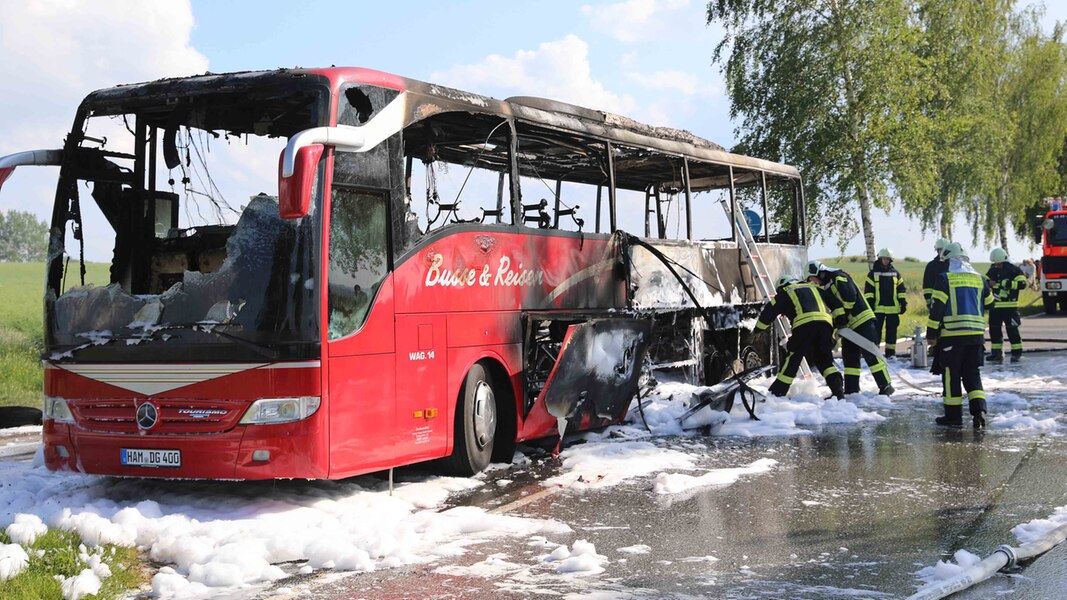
[
  {"x": 912, "y": 271},
  {"x": 21, "y": 327}
]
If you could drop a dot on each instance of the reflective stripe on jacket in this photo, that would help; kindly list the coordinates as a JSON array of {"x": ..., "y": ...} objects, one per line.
[
  {"x": 848, "y": 294},
  {"x": 959, "y": 304},
  {"x": 801, "y": 303},
  {"x": 884, "y": 290},
  {"x": 1007, "y": 280}
]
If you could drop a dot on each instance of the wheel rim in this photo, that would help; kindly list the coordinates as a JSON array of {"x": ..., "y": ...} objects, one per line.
[
  {"x": 484, "y": 414},
  {"x": 752, "y": 361}
]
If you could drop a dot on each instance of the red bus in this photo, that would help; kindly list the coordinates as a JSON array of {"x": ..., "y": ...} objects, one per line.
[{"x": 439, "y": 275}]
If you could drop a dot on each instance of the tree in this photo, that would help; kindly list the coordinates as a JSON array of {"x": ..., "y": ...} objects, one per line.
[
  {"x": 1033, "y": 96},
  {"x": 962, "y": 50},
  {"x": 22, "y": 237},
  {"x": 833, "y": 87}
]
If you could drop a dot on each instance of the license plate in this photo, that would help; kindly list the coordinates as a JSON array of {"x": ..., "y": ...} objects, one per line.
[{"x": 142, "y": 457}]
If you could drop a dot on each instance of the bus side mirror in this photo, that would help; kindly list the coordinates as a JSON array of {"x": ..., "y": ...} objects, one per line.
[{"x": 295, "y": 191}]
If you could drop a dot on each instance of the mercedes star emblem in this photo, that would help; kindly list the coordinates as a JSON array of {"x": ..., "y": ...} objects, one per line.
[{"x": 147, "y": 415}]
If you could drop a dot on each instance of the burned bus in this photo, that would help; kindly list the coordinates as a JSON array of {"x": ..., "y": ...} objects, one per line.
[{"x": 318, "y": 273}]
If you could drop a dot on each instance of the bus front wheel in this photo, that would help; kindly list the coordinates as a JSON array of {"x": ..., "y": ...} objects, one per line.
[
  {"x": 475, "y": 426},
  {"x": 1050, "y": 304}
]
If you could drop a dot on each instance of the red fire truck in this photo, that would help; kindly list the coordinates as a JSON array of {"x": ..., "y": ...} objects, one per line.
[
  {"x": 1053, "y": 238},
  {"x": 438, "y": 276}
]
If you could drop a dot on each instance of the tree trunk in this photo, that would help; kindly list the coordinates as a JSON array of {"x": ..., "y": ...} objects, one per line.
[
  {"x": 1002, "y": 209},
  {"x": 865, "y": 219}
]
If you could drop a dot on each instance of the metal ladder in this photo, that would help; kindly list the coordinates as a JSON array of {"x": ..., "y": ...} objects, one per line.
[{"x": 760, "y": 278}]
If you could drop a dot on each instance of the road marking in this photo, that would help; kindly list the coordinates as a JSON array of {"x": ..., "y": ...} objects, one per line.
[{"x": 526, "y": 500}]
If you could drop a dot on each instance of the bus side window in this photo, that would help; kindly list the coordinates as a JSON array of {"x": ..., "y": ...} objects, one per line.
[{"x": 358, "y": 259}]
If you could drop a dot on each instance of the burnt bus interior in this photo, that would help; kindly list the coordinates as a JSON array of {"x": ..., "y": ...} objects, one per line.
[
  {"x": 555, "y": 178},
  {"x": 183, "y": 253}
]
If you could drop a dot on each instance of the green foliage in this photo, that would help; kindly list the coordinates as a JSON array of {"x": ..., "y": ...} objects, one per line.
[
  {"x": 21, "y": 329},
  {"x": 59, "y": 555},
  {"x": 22, "y": 237},
  {"x": 945, "y": 107},
  {"x": 830, "y": 88}
]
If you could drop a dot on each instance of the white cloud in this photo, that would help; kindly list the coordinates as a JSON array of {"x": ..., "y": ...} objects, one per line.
[
  {"x": 679, "y": 81},
  {"x": 639, "y": 20},
  {"x": 57, "y": 51},
  {"x": 559, "y": 70}
]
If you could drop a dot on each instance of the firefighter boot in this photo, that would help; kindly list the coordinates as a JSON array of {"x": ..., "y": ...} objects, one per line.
[
  {"x": 953, "y": 416},
  {"x": 1016, "y": 355},
  {"x": 995, "y": 355},
  {"x": 887, "y": 390},
  {"x": 978, "y": 410},
  {"x": 836, "y": 384}
]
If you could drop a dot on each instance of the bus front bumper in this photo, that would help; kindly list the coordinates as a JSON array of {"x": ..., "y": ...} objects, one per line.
[{"x": 284, "y": 451}]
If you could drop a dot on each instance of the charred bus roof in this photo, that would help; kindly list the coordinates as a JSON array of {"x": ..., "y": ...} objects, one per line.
[{"x": 429, "y": 99}]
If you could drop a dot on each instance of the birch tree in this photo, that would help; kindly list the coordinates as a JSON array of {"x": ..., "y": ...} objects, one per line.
[{"x": 833, "y": 87}]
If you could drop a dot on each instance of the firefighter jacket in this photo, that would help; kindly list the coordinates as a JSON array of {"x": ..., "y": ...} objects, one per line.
[
  {"x": 885, "y": 291},
  {"x": 1006, "y": 280},
  {"x": 960, "y": 299},
  {"x": 848, "y": 294},
  {"x": 802, "y": 303},
  {"x": 934, "y": 268}
]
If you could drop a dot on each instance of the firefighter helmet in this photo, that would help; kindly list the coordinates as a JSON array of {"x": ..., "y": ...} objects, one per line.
[
  {"x": 940, "y": 244},
  {"x": 815, "y": 267},
  {"x": 998, "y": 255},
  {"x": 785, "y": 280},
  {"x": 885, "y": 253},
  {"x": 953, "y": 250}
]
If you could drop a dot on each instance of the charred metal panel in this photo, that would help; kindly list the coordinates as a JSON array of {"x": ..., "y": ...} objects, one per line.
[
  {"x": 714, "y": 271},
  {"x": 596, "y": 375}
]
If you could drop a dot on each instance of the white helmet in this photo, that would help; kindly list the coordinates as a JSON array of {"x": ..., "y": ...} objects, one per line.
[
  {"x": 885, "y": 253},
  {"x": 940, "y": 244},
  {"x": 953, "y": 250},
  {"x": 815, "y": 267},
  {"x": 785, "y": 280},
  {"x": 998, "y": 255}
]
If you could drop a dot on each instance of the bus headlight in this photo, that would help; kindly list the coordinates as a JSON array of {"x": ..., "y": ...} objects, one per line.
[
  {"x": 55, "y": 409},
  {"x": 280, "y": 410},
  {"x": 1054, "y": 285}
]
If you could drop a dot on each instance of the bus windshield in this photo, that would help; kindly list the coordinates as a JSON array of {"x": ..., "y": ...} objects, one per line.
[{"x": 176, "y": 195}]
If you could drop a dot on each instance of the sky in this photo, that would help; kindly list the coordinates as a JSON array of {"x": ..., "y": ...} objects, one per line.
[{"x": 647, "y": 59}]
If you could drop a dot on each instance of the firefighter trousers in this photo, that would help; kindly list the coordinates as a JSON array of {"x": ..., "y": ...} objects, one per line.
[
  {"x": 851, "y": 354},
  {"x": 1009, "y": 318},
  {"x": 960, "y": 363},
  {"x": 890, "y": 323},
  {"x": 814, "y": 342}
]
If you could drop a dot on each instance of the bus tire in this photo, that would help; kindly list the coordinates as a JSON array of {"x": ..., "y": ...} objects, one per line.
[{"x": 475, "y": 424}]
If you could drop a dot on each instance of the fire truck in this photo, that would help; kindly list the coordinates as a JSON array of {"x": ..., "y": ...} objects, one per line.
[{"x": 1053, "y": 238}]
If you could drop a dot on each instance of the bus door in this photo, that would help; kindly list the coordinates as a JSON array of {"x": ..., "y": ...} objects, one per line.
[
  {"x": 362, "y": 396},
  {"x": 421, "y": 381}
]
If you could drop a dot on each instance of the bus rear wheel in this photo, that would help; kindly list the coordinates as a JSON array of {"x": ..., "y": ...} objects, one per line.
[{"x": 475, "y": 425}]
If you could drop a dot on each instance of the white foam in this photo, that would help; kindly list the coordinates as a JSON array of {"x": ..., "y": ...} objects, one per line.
[
  {"x": 13, "y": 559},
  {"x": 673, "y": 483}
]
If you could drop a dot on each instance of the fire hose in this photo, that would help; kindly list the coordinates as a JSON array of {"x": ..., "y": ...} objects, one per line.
[
  {"x": 871, "y": 347},
  {"x": 1004, "y": 557}
]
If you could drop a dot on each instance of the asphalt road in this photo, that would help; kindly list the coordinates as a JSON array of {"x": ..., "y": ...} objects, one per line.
[{"x": 851, "y": 511}]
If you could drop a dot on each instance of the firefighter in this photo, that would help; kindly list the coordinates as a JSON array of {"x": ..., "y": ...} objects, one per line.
[
  {"x": 957, "y": 329},
  {"x": 1007, "y": 280},
  {"x": 884, "y": 291},
  {"x": 860, "y": 319},
  {"x": 934, "y": 268},
  {"x": 813, "y": 313}
]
